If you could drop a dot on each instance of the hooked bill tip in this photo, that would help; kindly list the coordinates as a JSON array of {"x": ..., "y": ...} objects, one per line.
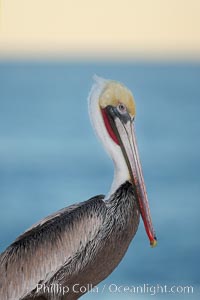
[{"x": 153, "y": 243}]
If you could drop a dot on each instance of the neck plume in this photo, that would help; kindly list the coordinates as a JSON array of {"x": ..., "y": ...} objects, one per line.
[{"x": 121, "y": 173}]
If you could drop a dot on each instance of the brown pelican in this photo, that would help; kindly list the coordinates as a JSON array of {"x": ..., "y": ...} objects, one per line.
[{"x": 80, "y": 245}]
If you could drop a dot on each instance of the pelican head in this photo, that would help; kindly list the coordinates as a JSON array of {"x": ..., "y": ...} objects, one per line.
[{"x": 112, "y": 112}]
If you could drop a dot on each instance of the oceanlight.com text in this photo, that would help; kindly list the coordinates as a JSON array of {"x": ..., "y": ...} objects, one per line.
[{"x": 150, "y": 289}]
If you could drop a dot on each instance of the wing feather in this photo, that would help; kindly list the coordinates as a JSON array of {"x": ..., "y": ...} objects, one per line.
[{"x": 46, "y": 246}]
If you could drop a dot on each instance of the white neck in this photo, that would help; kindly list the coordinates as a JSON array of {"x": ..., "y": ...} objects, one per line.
[{"x": 121, "y": 173}]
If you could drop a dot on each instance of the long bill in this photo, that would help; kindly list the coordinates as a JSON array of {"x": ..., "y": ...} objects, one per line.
[{"x": 123, "y": 130}]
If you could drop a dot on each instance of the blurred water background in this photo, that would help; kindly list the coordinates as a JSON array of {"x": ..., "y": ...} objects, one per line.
[{"x": 50, "y": 158}]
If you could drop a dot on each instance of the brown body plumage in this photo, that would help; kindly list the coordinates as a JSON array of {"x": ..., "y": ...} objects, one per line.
[{"x": 81, "y": 244}]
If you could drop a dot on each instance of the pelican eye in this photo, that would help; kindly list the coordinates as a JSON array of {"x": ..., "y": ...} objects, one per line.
[{"x": 121, "y": 108}]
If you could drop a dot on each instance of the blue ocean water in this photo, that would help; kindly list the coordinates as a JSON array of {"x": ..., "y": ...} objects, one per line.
[{"x": 50, "y": 158}]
